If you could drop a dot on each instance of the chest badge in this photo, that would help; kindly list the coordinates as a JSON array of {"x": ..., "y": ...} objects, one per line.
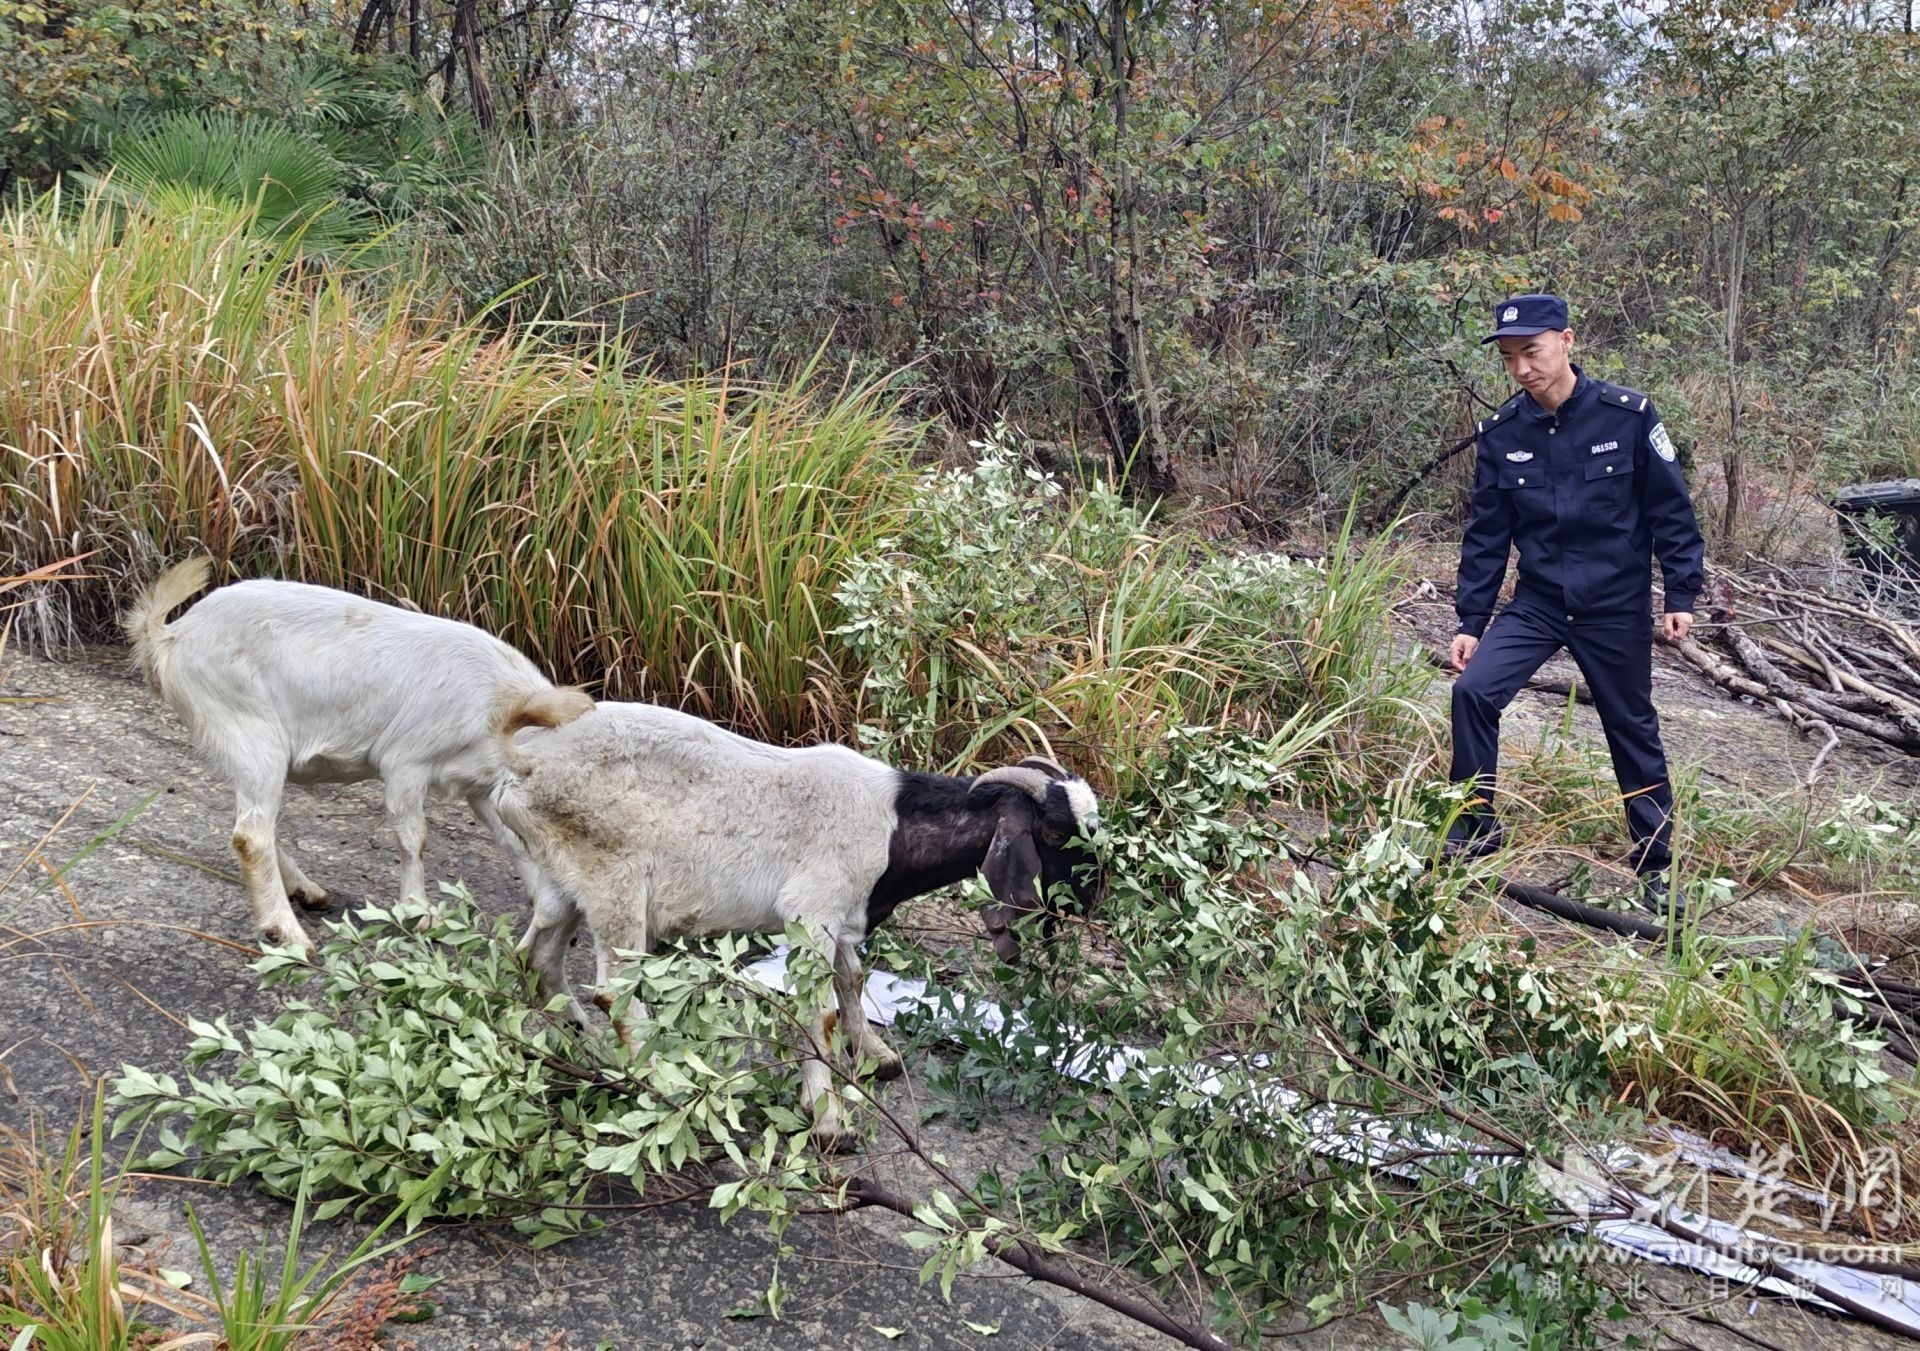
[
  {"x": 1519, "y": 456},
  {"x": 1603, "y": 448}
]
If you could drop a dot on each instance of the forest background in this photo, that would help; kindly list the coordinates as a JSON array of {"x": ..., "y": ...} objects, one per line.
[{"x": 1247, "y": 249}]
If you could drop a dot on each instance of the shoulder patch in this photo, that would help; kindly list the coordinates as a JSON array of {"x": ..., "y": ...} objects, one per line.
[{"x": 1662, "y": 443}]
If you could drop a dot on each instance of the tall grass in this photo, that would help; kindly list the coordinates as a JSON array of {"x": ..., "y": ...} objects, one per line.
[
  {"x": 67, "y": 1285},
  {"x": 176, "y": 385}
]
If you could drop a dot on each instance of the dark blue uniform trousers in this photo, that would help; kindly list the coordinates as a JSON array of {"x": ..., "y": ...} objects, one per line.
[{"x": 1616, "y": 659}]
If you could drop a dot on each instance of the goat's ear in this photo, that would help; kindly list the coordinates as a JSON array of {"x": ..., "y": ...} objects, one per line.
[
  {"x": 1013, "y": 865},
  {"x": 1012, "y": 870}
]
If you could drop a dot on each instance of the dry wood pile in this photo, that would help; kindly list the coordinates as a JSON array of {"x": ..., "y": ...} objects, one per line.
[{"x": 1839, "y": 648}]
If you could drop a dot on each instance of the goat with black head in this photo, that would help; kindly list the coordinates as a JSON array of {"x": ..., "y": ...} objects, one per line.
[
  {"x": 1025, "y": 827},
  {"x": 657, "y": 824}
]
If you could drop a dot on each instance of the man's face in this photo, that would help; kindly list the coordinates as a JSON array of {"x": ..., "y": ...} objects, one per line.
[{"x": 1538, "y": 361}]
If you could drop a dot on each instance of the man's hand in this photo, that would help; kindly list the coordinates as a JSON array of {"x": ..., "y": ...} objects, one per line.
[
  {"x": 1676, "y": 625},
  {"x": 1464, "y": 645}
]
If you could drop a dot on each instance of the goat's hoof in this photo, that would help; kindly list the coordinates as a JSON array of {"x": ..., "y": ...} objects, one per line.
[
  {"x": 280, "y": 936},
  {"x": 831, "y": 1138},
  {"x": 311, "y": 897},
  {"x": 888, "y": 1068}
]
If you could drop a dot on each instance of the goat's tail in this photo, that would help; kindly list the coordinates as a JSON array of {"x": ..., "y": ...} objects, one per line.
[
  {"x": 146, "y": 622},
  {"x": 555, "y": 706}
]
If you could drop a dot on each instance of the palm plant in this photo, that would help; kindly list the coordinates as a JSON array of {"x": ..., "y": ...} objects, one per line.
[{"x": 288, "y": 182}]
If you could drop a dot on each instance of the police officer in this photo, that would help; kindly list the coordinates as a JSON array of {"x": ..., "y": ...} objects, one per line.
[{"x": 1581, "y": 478}]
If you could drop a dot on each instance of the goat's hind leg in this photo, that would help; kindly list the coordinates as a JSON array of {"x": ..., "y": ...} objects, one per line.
[
  {"x": 532, "y": 877},
  {"x": 544, "y": 945},
  {"x": 407, "y": 814}
]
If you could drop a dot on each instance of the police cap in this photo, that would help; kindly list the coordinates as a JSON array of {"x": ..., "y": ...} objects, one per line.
[{"x": 1523, "y": 316}]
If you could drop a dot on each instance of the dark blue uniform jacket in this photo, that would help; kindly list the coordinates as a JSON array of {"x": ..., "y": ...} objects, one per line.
[{"x": 1586, "y": 494}]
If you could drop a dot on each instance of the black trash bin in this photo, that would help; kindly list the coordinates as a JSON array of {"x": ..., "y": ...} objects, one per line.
[{"x": 1897, "y": 502}]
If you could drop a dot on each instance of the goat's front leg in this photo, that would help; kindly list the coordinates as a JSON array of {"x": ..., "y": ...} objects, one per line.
[
  {"x": 629, "y": 934},
  {"x": 407, "y": 814},
  {"x": 863, "y": 1042},
  {"x": 549, "y": 934},
  {"x": 818, "y": 1097},
  {"x": 257, "y": 789}
]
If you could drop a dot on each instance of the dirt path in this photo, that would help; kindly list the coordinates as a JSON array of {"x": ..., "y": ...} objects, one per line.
[{"x": 100, "y": 749}]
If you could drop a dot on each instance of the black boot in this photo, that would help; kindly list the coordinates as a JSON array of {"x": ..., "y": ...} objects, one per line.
[
  {"x": 1473, "y": 839},
  {"x": 1656, "y": 894}
]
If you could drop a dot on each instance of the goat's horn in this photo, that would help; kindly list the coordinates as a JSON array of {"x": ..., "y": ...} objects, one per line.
[
  {"x": 1029, "y": 781},
  {"x": 1052, "y": 769}
]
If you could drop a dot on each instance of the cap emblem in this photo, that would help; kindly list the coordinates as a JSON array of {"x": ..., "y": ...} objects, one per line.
[{"x": 1509, "y": 314}]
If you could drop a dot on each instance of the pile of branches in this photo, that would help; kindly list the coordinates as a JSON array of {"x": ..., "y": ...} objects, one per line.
[
  {"x": 1892, "y": 1006},
  {"x": 1846, "y": 655}
]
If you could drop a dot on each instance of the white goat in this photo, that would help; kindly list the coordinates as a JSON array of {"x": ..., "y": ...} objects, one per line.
[
  {"x": 281, "y": 680},
  {"x": 658, "y": 824}
]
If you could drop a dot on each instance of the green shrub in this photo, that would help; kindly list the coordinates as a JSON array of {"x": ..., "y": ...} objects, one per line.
[
  {"x": 1876, "y": 840},
  {"x": 283, "y": 183},
  {"x": 1372, "y": 998},
  {"x": 1009, "y": 613},
  {"x": 1750, "y": 1041}
]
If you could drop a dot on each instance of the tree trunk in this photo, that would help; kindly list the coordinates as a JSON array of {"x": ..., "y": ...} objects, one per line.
[
  {"x": 1733, "y": 460},
  {"x": 1140, "y": 448}
]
